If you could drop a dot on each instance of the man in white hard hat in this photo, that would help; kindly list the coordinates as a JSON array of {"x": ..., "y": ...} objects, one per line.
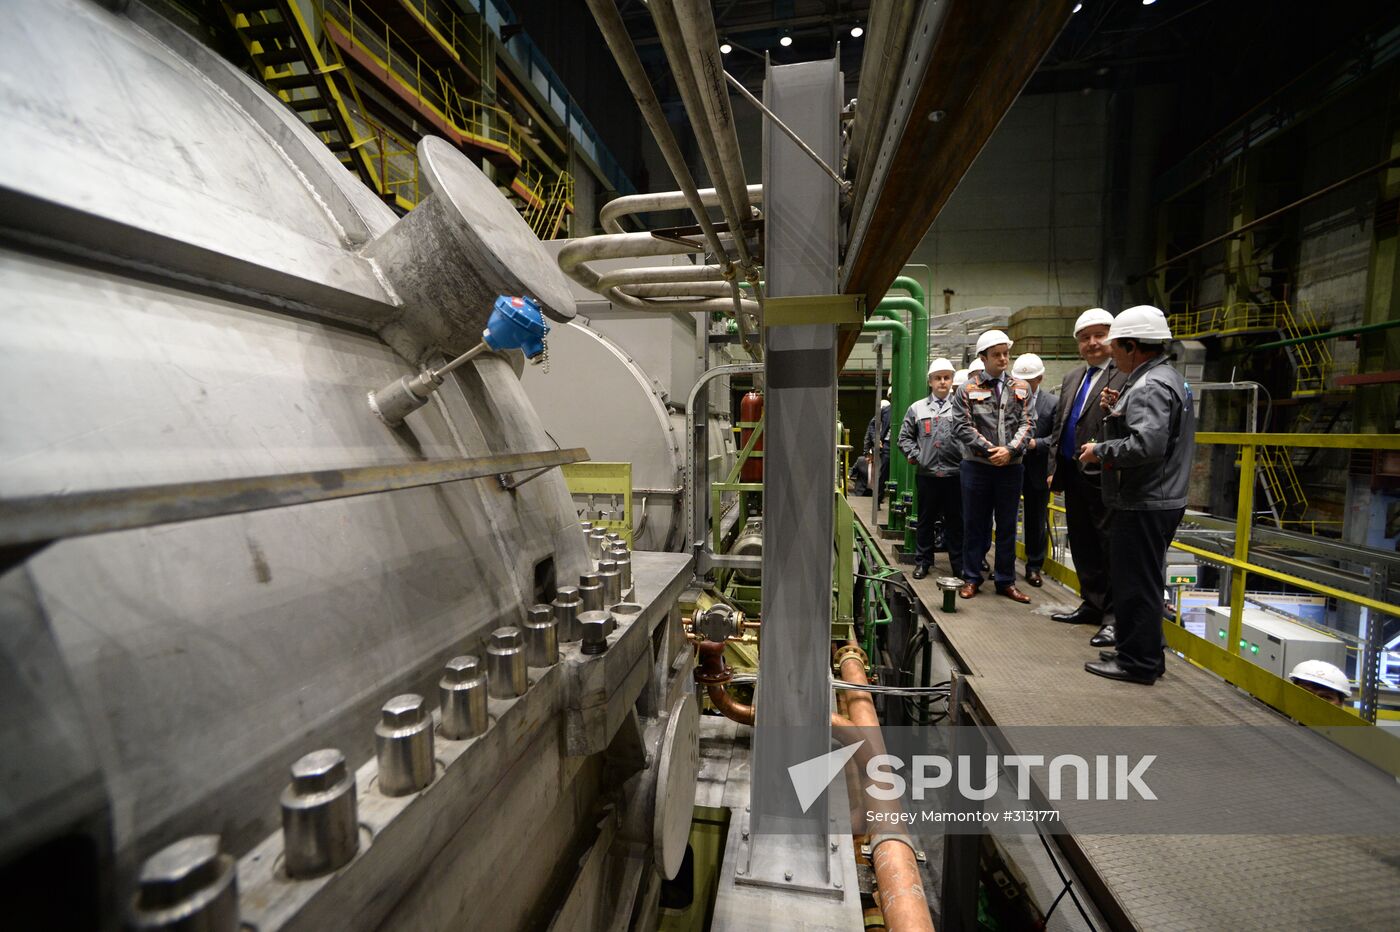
[
  {"x": 1078, "y": 420},
  {"x": 1323, "y": 680},
  {"x": 992, "y": 420},
  {"x": 926, "y": 439},
  {"x": 1146, "y": 471},
  {"x": 1035, "y": 491}
]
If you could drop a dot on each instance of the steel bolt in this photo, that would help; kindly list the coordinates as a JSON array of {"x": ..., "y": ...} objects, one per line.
[
  {"x": 462, "y": 693},
  {"x": 190, "y": 884},
  {"x": 320, "y": 829},
  {"x": 567, "y": 604},
  {"x": 787, "y": 875},
  {"x": 595, "y": 544},
  {"x": 595, "y": 631},
  {"x": 541, "y": 637},
  {"x": 590, "y": 590},
  {"x": 505, "y": 664},
  {"x": 623, "y": 558},
  {"x": 403, "y": 742},
  {"x": 612, "y": 583}
]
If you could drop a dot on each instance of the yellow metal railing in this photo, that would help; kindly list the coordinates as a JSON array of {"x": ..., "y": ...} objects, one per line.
[
  {"x": 1227, "y": 661},
  {"x": 395, "y": 159},
  {"x": 478, "y": 123},
  {"x": 546, "y": 219},
  {"x": 461, "y": 38}
]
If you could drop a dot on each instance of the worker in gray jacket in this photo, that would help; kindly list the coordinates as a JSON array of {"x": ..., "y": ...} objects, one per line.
[
  {"x": 926, "y": 440},
  {"x": 1146, "y": 460},
  {"x": 992, "y": 419}
]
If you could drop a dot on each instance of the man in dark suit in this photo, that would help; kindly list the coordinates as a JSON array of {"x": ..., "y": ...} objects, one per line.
[
  {"x": 1035, "y": 492},
  {"x": 1079, "y": 420},
  {"x": 878, "y": 437}
]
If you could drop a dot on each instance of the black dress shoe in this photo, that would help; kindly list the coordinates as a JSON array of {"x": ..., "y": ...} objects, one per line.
[
  {"x": 920, "y": 571},
  {"x": 1083, "y": 615},
  {"x": 1110, "y": 670},
  {"x": 986, "y": 567},
  {"x": 1104, "y": 638},
  {"x": 1034, "y": 578},
  {"x": 1113, "y": 655}
]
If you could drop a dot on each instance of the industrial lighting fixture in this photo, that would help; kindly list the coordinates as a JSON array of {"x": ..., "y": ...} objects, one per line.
[
  {"x": 857, "y": 31},
  {"x": 725, "y": 48},
  {"x": 785, "y": 41},
  {"x": 1077, "y": 8},
  {"x": 1148, "y": 2}
]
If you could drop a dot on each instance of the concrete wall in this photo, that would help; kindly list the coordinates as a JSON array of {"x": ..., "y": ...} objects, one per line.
[{"x": 1025, "y": 225}]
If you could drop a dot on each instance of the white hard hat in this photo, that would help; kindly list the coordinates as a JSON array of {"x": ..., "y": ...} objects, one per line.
[
  {"x": 940, "y": 365},
  {"x": 977, "y": 366},
  {"x": 884, "y": 402},
  {"x": 1143, "y": 322},
  {"x": 1321, "y": 673},
  {"x": 992, "y": 338},
  {"x": 959, "y": 377},
  {"x": 1028, "y": 366},
  {"x": 1094, "y": 315}
]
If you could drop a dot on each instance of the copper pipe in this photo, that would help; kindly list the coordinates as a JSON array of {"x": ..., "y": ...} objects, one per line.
[
  {"x": 730, "y": 707},
  {"x": 897, "y": 876},
  {"x": 713, "y": 671}
]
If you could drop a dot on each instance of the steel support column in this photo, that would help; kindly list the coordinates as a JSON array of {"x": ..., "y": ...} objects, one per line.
[{"x": 794, "y": 692}]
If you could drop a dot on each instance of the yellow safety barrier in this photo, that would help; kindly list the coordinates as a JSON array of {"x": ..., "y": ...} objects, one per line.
[{"x": 1340, "y": 725}]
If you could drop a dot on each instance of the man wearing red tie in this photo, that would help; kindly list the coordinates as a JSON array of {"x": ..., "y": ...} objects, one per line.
[{"x": 1079, "y": 420}]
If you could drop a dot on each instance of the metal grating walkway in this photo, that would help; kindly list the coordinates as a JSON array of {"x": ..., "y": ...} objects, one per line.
[{"x": 1024, "y": 669}]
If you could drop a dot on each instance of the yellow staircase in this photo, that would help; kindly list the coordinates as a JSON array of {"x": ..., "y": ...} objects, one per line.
[
  {"x": 286, "y": 59},
  {"x": 547, "y": 220},
  {"x": 1283, "y": 492}
]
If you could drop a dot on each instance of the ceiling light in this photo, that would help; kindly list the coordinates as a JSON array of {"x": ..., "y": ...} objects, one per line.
[
  {"x": 785, "y": 41},
  {"x": 725, "y": 48},
  {"x": 857, "y": 32},
  {"x": 1148, "y": 2},
  {"x": 1077, "y": 8}
]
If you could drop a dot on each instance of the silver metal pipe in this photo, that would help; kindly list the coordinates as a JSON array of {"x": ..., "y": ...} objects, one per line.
[
  {"x": 462, "y": 693},
  {"x": 575, "y": 255},
  {"x": 698, "y": 45},
  {"x": 660, "y": 275},
  {"x": 320, "y": 828},
  {"x": 615, "y": 33},
  {"x": 620, "y": 207},
  {"x": 506, "y": 676},
  {"x": 678, "y": 290},
  {"x": 697, "y": 517},
  {"x": 788, "y": 132},
  {"x": 403, "y": 742}
]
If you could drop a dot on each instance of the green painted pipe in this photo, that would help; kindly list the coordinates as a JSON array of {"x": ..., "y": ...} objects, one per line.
[
  {"x": 889, "y": 320},
  {"x": 1314, "y": 337},
  {"x": 916, "y": 382}
]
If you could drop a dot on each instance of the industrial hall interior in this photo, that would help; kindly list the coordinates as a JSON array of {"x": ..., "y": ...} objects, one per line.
[{"x": 686, "y": 465}]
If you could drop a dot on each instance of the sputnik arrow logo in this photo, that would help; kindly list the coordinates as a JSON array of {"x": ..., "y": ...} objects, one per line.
[{"x": 811, "y": 777}]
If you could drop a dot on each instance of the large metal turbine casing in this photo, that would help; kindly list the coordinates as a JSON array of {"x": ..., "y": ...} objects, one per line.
[
  {"x": 618, "y": 382},
  {"x": 195, "y": 289},
  {"x": 597, "y": 395}
]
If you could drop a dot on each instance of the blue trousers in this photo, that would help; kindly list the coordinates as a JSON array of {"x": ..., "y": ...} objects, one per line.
[{"x": 990, "y": 492}]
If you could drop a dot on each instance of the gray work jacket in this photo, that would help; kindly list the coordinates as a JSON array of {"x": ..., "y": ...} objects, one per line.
[
  {"x": 981, "y": 422},
  {"x": 926, "y": 437},
  {"x": 1152, "y": 440}
]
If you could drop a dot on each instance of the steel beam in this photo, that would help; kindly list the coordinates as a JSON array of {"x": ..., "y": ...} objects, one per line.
[
  {"x": 790, "y": 846},
  {"x": 983, "y": 53}
]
